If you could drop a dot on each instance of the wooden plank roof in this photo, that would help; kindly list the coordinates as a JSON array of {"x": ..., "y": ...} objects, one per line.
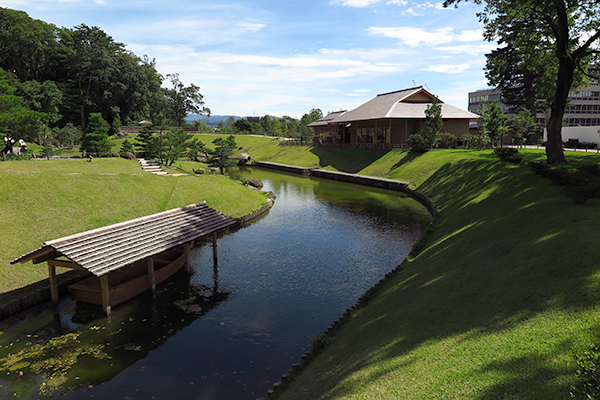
[{"x": 109, "y": 248}]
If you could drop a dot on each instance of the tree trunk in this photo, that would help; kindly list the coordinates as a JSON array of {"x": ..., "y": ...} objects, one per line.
[{"x": 564, "y": 81}]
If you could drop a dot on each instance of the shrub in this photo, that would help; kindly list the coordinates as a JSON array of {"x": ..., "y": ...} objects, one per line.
[
  {"x": 477, "y": 142},
  {"x": 509, "y": 154},
  {"x": 446, "y": 141},
  {"x": 418, "y": 143},
  {"x": 581, "y": 182}
]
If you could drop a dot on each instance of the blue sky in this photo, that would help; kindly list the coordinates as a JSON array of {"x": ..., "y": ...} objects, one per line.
[{"x": 287, "y": 57}]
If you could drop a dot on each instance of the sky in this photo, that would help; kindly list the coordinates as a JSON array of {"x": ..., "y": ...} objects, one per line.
[{"x": 258, "y": 57}]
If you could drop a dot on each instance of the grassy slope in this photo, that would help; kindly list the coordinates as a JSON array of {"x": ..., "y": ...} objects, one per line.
[
  {"x": 504, "y": 291},
  {"x": 44, "y": 200}
]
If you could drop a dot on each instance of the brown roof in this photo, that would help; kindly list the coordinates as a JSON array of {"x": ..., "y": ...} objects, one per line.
[
  {"x": 328, "y": 119},
  {"x": 109, "y": 248},
  {"x": 405, "y": 104}
]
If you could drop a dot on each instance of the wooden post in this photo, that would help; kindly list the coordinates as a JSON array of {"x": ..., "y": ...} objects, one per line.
[
  {"x": 53, "y": 284},
  {"x": 215, "y": 257},
  {"x": 151, "y": 280},
  {"x": 105, "y": 294},
  {"x": 186, "y": 251}
]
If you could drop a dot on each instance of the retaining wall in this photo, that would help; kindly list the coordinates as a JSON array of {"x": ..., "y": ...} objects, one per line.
[{"x": 371, "y": 181}]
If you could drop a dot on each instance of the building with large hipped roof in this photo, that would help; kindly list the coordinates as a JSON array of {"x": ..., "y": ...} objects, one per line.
[{"x": 388, "y": 120}]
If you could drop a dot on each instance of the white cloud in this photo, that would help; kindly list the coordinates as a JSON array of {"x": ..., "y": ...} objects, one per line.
[
  {"x": 413, "y": 37},
  {"x": 447, "y": 68},
  {"x": 251, "y": 26},
  {"x": 362, "y": 90},
  {"x": 397, "y": 2},
  {"x": 354, "y": 3},
  {"x": 470, "y": 49}
]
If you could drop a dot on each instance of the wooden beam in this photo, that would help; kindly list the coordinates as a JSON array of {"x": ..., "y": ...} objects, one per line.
[
  {"x": 53, "y": 284},
  {"x": 151, "y": 280},
  {"x": 105, "y": 294},
  {"x": 215, "y": 254},
  {"x": 65, "y": 264},
  {"x": 44, "y": 257}
]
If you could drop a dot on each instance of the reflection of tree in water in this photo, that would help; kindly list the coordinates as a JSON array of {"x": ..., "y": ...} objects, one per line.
[
  {"x": 102, "y": 347},
  {"x": 386, "y": 207}
]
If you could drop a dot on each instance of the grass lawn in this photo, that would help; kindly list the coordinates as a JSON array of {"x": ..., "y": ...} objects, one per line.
[
  {"x": 44, "y": 200},
  {"x": 504, "y": 291}
]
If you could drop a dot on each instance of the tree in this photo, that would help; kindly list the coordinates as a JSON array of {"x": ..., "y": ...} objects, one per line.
[
  {"x": 182, "y": 100},
  {"x": 195, "y": 147},
  {"x": 202, "y": 126},
  {"x": 493, "y": 122},
  {"x": 220, "y": 156},
  {"x": 520, "y": 125},
  {"x": 433, "y": 122},
  {"x": 307, "y": 133},
  {"x": 95, "y": 140},
  {"x": 126, "y": 147},
  {"x": 242, "y": 125},
  {"x": 571, "y": 28},
  {"x": 17, "y": 120},
  {"x": 169, "y": 146},
  {"x": 69, "y": 135},
  {"x": 268, "y": 125}
]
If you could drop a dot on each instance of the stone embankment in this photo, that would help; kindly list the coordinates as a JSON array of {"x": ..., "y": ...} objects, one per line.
[{"x": 371, "y": 181}]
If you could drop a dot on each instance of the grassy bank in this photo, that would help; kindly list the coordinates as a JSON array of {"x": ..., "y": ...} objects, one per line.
[
  {"x": 504, "y": 291},
  {"x": 44, "y": 200}
]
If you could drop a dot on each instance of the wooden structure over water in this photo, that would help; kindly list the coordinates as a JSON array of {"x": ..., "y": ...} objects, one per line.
[{"x": 130, "y": 257}]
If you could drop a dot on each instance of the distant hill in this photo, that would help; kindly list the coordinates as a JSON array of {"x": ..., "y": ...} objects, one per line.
[{"x": 212, "y": 120}]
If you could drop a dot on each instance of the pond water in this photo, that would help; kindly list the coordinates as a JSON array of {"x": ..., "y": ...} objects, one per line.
[{"x": 225, "y": 332}]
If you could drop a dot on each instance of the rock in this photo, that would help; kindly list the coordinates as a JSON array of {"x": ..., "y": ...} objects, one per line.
[{"x": 255, "y": 183}]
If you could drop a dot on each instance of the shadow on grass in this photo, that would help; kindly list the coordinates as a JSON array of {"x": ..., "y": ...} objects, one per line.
[
  {"x": 347, "y": 160},
  {"x": 410, "y": 156},
  {"x": 508, "y": 283}
]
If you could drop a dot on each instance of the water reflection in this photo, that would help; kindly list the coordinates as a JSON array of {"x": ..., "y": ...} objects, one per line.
[{"x": 231, "y": 331}]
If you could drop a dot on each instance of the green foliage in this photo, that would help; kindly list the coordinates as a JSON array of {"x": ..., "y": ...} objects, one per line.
[
  {"x": 223, "y": 150},
  {"x": 433, "y": 123},
  {"x": 477, "y": 142},
  {"x": 493, "y": 122},
  {"x": 509, "y": 154},
  {"x": 183, "y": 100},
  {"x": 418, "y": 143},
  {"x": 68, "y": 136},
  {"x": 559, "y": 38},
  {"x": 126, "y": 147},
  {"x": 15, "y": 119},
  {"x": 581, "y": 181},
  {"x": 242, "y": 125},
  {"x": 521, "y": 124},
  {"x": 144, "y": 139},
  {"x": 169, "y": 146},
  {"x": 202, "y": 126},
  {"x": 446, "y": 141},
  {"x": 65, "y": 74},
  {"x": 196, "y": 147},
  {"x": 588, "y": 375},
  {"x": 95, "y": 140}
]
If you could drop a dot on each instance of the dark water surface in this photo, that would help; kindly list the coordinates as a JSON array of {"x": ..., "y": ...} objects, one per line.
[{"x": 229, "y": 332}]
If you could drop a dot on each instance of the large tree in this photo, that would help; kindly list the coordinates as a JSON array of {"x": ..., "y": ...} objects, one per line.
[
  {"x": 571, "y": 27},
  {"x": 182, "y": 100}
]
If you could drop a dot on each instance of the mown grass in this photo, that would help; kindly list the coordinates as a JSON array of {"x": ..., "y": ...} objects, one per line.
[
  {"x": 44, "y": 200},
  {"x": 504, "y": 291}
]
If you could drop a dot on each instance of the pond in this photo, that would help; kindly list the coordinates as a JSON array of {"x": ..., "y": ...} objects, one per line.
[{"x": 225, "y": 332}]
